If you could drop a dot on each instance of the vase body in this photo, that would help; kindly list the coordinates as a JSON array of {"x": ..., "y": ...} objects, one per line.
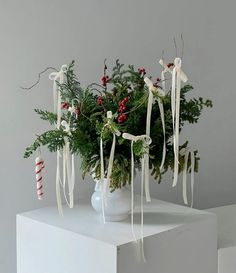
[{"x": 118, "y": 204}]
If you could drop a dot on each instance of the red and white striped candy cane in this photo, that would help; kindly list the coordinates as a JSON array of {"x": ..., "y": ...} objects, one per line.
[{"x": 39, "y": 165}]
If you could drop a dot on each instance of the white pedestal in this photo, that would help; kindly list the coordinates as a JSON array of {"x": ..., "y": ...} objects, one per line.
[
  {"x": 176, "y": 240},
  {"x": 226, "y": 217}
]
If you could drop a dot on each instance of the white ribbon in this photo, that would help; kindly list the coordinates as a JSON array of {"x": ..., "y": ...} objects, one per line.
[
  {"x": 58, "y": 77},
  {"x": 146, "y": 142},
  {"x": 148, "y": 125},
  {"x": 183, "y": 76},
  {"x": 192, "y": 177},
  {"x": 186, "y": 153},
  {"x": 102, "y": 179},
  {"x": 105, "y": 183},
  {"x": 68, "y": 167},
  {"x": 184, "y": 190},
  {"x": 160, "y": 92},
  {"x": 177, "y": 76},
  {"x": 161, "y": 108}
]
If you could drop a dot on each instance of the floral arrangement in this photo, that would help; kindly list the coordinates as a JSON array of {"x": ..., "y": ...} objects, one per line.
[{"x": 123, "y": 92}]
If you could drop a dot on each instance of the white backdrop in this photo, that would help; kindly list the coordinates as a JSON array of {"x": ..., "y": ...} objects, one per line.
[{"x": 35, "y": 34}]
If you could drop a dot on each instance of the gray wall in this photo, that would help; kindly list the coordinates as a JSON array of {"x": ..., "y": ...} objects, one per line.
[{"x": 35, "y": 34}]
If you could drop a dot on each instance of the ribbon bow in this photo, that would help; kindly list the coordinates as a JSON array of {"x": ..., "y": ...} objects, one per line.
[
  {"x": 160, "y": 93},
  {"x": 58, "y": 77},
  {"x": 177, "y": 76},
  {"x": 146, "y": 142}
]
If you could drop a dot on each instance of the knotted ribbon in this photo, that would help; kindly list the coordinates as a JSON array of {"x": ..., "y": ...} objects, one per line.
[
  {"x": 105, "y": 183},
  {"x": 146, "y": 142},
  {"x": 175, "y": 108},
  {"x": 58, "y": 77},
  {"x": 160, "y": 93},
  {"x": 177, "y": 76}
]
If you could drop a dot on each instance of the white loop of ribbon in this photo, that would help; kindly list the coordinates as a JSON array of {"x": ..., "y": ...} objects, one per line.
[
  {"x": 183, "y": 76},
  {"x": 146, "y": 142},
  {"x": 58, "y": 77},
  {"x": 68, "y": 167},
  {"x": 186, "y": 152},
  {"x": 105, "y": 183},
  {"x": 177, "y": 76}
]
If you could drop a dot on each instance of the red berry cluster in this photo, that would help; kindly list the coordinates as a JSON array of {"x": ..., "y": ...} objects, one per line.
[
  {"x": 99, "y": 100},
  {"x": 64, "y": 105},
  {"x": 104, "y": 80},
  {"x": 121, "y": 108},
  {"x": 141, "y": 71},
  {"x": 170, "y": 65}
]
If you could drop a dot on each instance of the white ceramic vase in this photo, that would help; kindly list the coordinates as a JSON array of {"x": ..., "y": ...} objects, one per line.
[{"x": 118, "y": 203}]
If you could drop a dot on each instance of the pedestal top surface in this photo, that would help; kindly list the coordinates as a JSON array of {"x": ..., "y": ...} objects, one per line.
[
  {"x": 159, "y": 217},
  {"x": 226, "y": 223}
]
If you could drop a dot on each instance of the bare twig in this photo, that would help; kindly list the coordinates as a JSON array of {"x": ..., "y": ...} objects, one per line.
[
  {"x": 39, "y": 78},
  {"x": 176, "y": 50},
  {"x": 182, "y": 39}
]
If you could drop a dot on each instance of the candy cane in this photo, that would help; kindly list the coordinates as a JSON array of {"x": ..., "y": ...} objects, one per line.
[{"x": 39, "y": 165}]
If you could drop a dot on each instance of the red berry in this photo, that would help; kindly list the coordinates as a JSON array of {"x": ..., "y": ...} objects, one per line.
[
  {"x": 64, "y": 105},
  {"x": 142, "y": 71},
  {"x": 170, "y": 65},
  {"x": 125, "y": 99},
  {"x": 121, "y": 118},
  {"x": 99, "y": 100},
  {"x": 104, "y": 80}
]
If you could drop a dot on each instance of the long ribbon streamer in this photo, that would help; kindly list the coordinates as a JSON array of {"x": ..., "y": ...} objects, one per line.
[
  {"x": 192, "y": 177},
  {"x": 148, "y": 127},
  {"x": 186, "y": 153},
  {"x": 184, "y": 190},
  {"x": 58, "y": 77},
  {"x": 146, "y": 142},
  {"x": 105, "y": 183},
  {"x": 161, "y": 93},
  {"x": 177, "y": 75},
  {"x": 68, "y": 167}
]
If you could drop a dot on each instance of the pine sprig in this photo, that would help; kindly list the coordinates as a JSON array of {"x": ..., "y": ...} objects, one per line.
[
  {"x": 54, "y": 140},
  {"x": 46, "y": 115}
]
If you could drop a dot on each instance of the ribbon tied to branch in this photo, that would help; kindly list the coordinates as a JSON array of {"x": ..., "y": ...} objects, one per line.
[
  {"x": 146, "y": 142},
  {"x": 58, "y": 78},
  {"x": 105, "y": 183}
]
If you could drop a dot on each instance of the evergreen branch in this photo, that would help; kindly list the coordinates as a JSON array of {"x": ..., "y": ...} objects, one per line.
[
  {"x": 46, "y": 115},
  {"x": 54, "y": 140}
]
